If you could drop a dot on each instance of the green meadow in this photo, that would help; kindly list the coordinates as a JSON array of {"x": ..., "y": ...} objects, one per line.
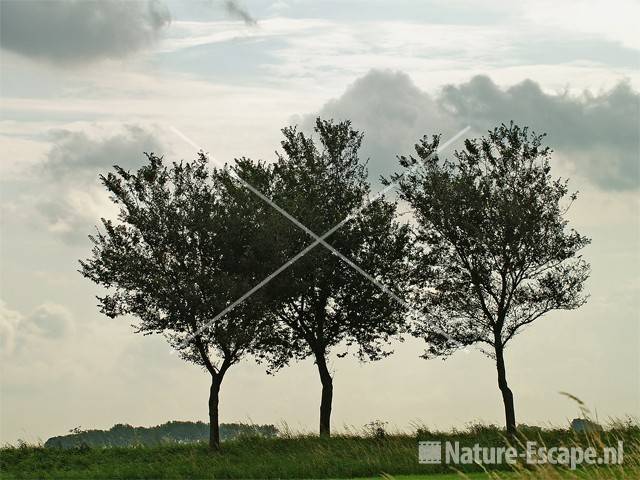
[{"x": 375, "y": 454}]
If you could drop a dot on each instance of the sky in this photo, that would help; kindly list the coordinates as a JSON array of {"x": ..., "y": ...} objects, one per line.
[{"x": 85, "y": 85}]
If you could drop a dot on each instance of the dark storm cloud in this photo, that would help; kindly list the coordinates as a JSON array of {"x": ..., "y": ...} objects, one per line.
[
  {"x": 80, "y": 31},
  {"x": 597, "y": 133}
]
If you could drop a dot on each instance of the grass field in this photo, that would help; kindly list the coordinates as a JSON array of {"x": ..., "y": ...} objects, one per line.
[{"x": 306, "y": 456}]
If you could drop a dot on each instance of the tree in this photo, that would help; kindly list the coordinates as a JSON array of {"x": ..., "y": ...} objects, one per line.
[
  {"x": 184, "y": 246},
  {"x": 170, "y": 432},
  {"x": 320, "y": 301},
  {"x": 496, "y": 251}
]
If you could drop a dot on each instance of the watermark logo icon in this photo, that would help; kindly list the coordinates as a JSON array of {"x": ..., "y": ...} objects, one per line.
[{"x": 430, "y": 452}]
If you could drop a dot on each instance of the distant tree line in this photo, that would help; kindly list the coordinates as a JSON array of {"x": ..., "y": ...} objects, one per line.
[
  {"x": 297, "y": 258},
  {"x": 123, "y": 435}
]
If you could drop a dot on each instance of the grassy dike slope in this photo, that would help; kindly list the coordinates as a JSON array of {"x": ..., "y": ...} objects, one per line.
[{"x": 303, "y": 456}]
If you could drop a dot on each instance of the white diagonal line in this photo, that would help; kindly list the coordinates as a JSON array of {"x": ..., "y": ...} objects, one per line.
[
  {"x": 441, "y": 148},
  {"x": 321, "y": 240},
  {"x": 376, "y": 196},
  {"x": 253, "y": 290},
  {"x": 318, "y": 239},
  {"x": 185, "y": 138}
]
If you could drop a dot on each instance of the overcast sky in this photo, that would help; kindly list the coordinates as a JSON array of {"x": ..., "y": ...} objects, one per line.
[{"x": 85, "y": 85}]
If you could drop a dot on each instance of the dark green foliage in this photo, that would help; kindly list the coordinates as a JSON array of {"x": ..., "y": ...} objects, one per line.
[
  {"x": 320, "y": 301},
  {"x": 496, "y": 250},
  {"x": 377, "y": 429},
  {"x": 181, "y": 250},
  {"x": 171, "y": 432},
  {"x": 190, "y": 240}
]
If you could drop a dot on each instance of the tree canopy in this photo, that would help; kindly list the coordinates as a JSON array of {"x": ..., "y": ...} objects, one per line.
[
  {"x": 320, "y": 301},
  {"x": 185, "y": 245},
  {"x": 496, "y": 251}
]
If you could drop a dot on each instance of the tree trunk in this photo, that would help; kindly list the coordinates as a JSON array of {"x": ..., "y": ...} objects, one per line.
[
  {"x": 214, "y": 426},
  {"x": 327, "y": 395},
  {"x": 507, "y": 395}
]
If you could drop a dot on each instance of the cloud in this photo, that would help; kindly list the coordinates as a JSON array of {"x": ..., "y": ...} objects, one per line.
[
  {"x": 70, "y": 199},
  {"x": 393, "y": 113},
  {"x": 75, "y": 154},
  {"x": 77, "y": 31},
  {"x": 72, "y": 213},
  {"x": 597, "y": 133},
  {"x": 48, "y": 321},
  {"x": 236, "y": 10}
]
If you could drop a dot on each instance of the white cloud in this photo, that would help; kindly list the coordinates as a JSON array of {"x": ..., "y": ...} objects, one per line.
[
  {"x": 614, "y": 21},
  {"x": 59, "y": 191},
  {"x": 188, "y": 34},
  {"x": 48, "y": 321},
  {"x": 73, "y": 200}
]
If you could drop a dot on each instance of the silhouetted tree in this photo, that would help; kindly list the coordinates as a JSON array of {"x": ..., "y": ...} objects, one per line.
[
  {"x": 171, "y": 432},
  {"x": 182, "y": 249},
  {"x": 496, "y": 249},
  {"x": 320, "y": 301}
]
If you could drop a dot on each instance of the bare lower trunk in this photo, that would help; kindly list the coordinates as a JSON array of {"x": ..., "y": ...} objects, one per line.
[
  {"x": 327, "y": 395},
  {"x": 507, "y": 395},
  {"x": 214, "y": 425}
]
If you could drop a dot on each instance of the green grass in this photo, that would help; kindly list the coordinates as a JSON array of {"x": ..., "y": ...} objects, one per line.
[
  {"x": 306, "y": 456},
  {"x": 441, "y": 476}
]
